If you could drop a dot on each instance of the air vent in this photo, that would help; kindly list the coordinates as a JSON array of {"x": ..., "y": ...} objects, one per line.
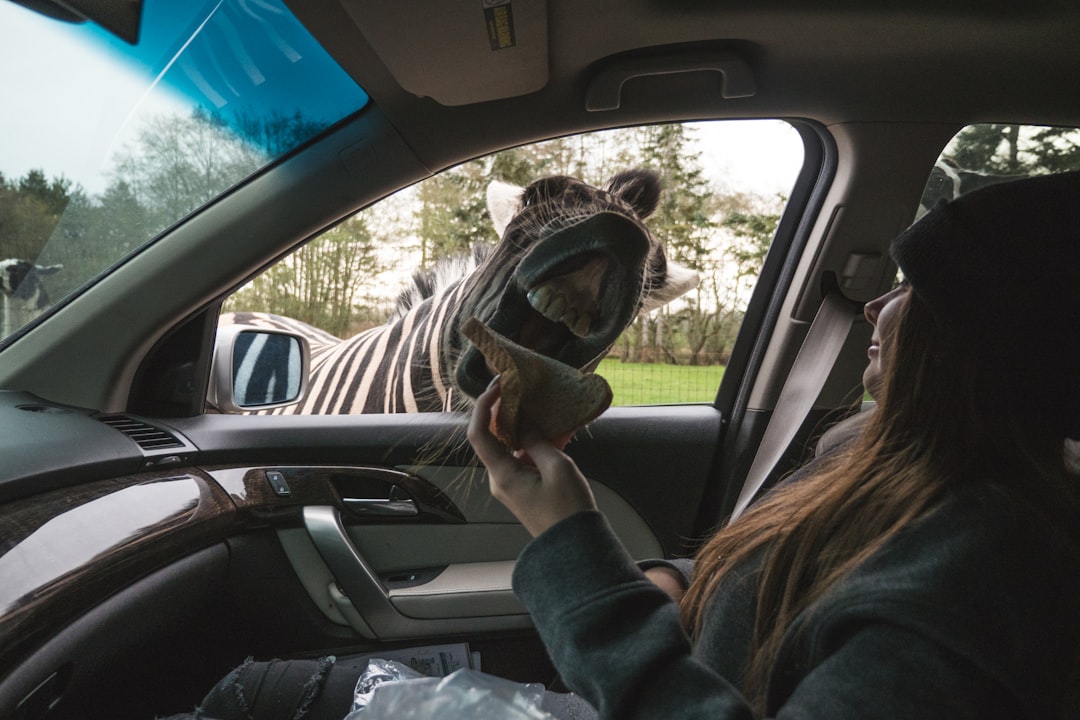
[{"x": 145, "y": 435}]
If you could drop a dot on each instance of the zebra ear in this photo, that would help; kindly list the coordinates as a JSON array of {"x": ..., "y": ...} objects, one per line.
[
  {"x": 678, "y": 279},
  {"x": 503, "y": 201},
  {"x": 639, "y": 188}
]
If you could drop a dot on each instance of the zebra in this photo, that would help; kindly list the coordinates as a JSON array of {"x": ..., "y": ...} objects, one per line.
[
  {"x": 949, "y": 181},
  {"x": 23, "y": 289},
  {"x": 574, "y": 266}
]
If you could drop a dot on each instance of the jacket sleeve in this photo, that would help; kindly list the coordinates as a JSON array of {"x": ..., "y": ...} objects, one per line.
[
  {"x": 614, "y": 636},
  {"x": 617, "y": 641},
  {"x": 683, "y": 566}
]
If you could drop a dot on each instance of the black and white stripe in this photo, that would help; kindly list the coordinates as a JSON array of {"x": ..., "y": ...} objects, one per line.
[
  {"x": 574, "y": 267},
  {"x": 388, "y": 369},
  {"x": 949, "y": 181}
]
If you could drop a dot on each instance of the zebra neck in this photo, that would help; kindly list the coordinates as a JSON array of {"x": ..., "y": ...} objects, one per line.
[{"x": 394, "y": 368}]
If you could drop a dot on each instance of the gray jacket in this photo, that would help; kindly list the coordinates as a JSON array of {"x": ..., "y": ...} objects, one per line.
[{"x": 973, "y": 612}]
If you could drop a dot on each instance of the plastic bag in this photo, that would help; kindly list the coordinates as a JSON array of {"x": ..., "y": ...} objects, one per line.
[
  {"x": 388, "y": 690},
  {"x": 377, "y": 672}
]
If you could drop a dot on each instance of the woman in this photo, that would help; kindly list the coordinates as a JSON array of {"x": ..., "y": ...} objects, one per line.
[{"x": 930, "y": 568}]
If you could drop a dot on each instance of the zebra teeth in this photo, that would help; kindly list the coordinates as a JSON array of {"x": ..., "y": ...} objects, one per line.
[
  {"x": 540, "y": 298},
  {"x": 556, "y": 307},
  {"x": 569, "y": 318},
  {"x": 547, "y": 302},
  {"x": 581, "y": 326}
]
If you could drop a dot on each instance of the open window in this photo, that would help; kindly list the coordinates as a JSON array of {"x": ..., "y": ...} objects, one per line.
[{"x": 724, "y": 187}]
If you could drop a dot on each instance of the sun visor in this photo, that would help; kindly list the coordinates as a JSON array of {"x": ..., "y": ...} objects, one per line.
[{"x": 471, "y": 50}]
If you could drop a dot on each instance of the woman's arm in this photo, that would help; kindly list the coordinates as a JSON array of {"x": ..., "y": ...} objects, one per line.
[
  {"x": 617, "y": 640},
  {"x": 539, "y": 484}
]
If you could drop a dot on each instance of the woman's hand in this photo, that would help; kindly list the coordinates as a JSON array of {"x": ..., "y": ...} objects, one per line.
[
  {"x": 539, "y": 494},
  {"x": 668, "y": 580}
]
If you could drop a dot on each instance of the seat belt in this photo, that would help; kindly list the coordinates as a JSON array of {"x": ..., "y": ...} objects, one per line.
[{"x": 812, "y": 365}]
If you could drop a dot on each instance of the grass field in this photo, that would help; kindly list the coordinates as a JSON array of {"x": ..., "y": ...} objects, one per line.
[{"x": 656, "y": 384}]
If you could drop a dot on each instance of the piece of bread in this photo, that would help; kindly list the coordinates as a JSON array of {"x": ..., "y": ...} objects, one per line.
[{"x": 537, "y": 392}]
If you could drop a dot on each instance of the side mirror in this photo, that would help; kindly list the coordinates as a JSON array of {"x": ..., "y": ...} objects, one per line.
[{"x": 257, "y": 369}]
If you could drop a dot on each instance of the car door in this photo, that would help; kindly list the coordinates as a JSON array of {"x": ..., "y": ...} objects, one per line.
[{"x": 386, "y": 520}]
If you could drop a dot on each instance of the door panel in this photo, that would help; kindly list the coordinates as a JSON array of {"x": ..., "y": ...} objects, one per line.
[
  {"x": 430, "y": 552},
  {"x": 388, "y": 580},
  {"x": 379, "y": 533}
]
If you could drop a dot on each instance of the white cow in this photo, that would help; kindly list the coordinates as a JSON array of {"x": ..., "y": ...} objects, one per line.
[{"x": 23, "y": 291}]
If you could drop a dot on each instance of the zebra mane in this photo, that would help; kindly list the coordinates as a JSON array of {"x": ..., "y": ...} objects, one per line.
[{"x": 443, "y": 274}]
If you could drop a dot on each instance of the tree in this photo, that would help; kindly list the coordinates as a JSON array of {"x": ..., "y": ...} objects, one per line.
[
  {"x": 751, "y": 223},
  {"x": 318, "y": 283},
  {"x": 520, "y": 166},
  {"x": 1001, "y": 149},
  {"x": 53, "y": 195},
  {"x": 1056, "y": 149},
  {"x": 128, "y": 223},
  {"x": 683, "y": 219},
  {"x": 757, "y": 229},
  {"x": 30, "y": 209},
  {"x": 683, "y": 222},
  {"x": 276, "y": 134},
  {"x": 180, "y": 163},
  {"x": 452, "y": 215}
]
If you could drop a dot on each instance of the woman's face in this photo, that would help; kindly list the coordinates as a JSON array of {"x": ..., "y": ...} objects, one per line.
[{"x": 882, "y": 314}]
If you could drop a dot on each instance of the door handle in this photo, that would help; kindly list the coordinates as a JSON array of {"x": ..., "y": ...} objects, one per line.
[
  {"x": 396, "y": 503},
  {"x": 382, "y": 507}
]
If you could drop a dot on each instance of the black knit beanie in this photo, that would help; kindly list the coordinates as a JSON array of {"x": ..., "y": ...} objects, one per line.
[{"x": 999, "y": 268}]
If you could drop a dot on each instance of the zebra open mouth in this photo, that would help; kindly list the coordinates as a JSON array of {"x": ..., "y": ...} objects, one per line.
[{"x": 570, "y": 297}]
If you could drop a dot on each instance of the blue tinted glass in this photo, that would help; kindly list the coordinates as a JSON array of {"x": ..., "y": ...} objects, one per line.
[
  {"x": 111, "y": 143},
  {"x": 239, "y": 60}
]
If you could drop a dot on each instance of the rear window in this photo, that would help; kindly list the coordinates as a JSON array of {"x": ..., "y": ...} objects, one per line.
[
  {"x": 989, "y": 153},
  {"x": 724, "y": 187}
]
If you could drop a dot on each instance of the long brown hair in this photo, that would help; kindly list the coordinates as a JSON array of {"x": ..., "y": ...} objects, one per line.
[{"x": 847, "y": 505}]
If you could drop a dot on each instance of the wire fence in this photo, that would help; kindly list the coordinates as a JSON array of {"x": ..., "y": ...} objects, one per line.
[{"x": 660, "y": 384}]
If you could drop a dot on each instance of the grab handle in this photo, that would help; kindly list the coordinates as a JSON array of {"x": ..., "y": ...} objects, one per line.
[{"x": 605, "y": 90}]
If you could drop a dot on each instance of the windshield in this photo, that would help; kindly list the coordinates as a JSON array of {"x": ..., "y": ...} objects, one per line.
[{"x": 105, "y": 144}]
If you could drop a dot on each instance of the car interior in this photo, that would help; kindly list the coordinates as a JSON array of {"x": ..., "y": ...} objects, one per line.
[{"x": 149, "y": 543}]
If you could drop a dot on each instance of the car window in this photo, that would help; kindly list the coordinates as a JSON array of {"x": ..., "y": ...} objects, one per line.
[
  {"x": 724, "y": 186},
  {"x": 107, "y": 143},
  {"x": 988, "y": 153}
]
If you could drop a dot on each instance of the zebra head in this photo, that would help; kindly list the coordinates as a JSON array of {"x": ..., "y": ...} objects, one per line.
[
  {"x": 949, "y": 181},
  {"x": 942, "y": 185},
  {"x": 574, "y": 267}
]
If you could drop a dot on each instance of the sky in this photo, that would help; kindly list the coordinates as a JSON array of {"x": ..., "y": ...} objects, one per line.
[
  {"x": 38, "y": 129},
  {"x": 763, "y": 156},
  {"x": 75, "y": 133},
  {"x": 79, "y": 92}
]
